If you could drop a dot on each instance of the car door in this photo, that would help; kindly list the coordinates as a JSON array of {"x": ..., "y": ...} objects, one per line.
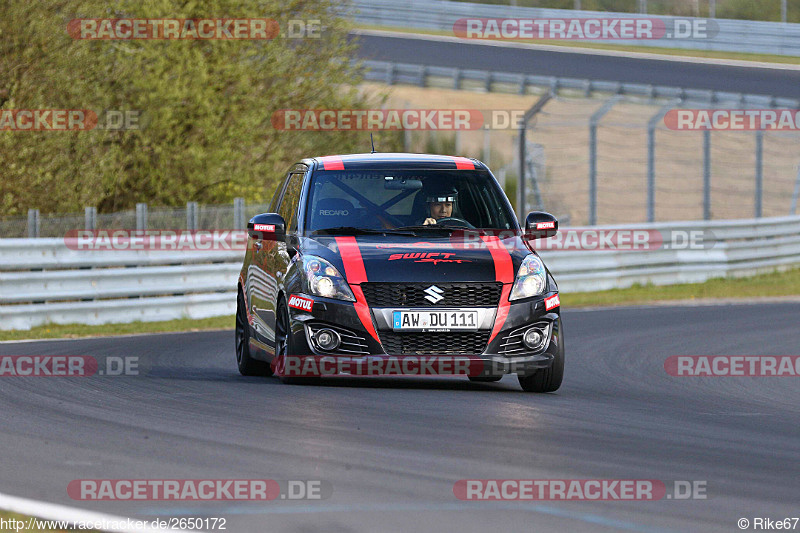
[
  {"x": 274, "y": 255},
  {"x": 260, "y": 285}
]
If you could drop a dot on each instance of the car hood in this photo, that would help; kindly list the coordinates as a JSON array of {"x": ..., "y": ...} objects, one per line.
[{"x": 377, "y": 258}]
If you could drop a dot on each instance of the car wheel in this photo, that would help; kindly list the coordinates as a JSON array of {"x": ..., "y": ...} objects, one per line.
[
  {"x": 546, "y": 379},
  {"x": 283, "y": 343},
  {"x": 485, "y": 379},
  {"x": 247, "y": 365}
]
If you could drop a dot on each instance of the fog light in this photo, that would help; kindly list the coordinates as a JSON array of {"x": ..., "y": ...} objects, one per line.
[
  {"x": 534, "y": 338},
  {"x": 327, "y": 339}
]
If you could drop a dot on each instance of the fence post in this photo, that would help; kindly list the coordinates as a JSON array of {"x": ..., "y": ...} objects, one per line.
[
  {"x": 759, "y": 171},
  {"x": 141, "y": 216},
  {"x": 487, "y": 147},
  {"x": 796, "y": 193},
  {"x": 191, "y": 216},
  {"x": 238, "y": 213},
  {"x": 593, "y": 122},
  {"x": 33, "y": 223},
  {"x": 707, "y": 175},
  {"x": 651, "y": 159},
  {"x": 529, "y": 114},
  {"x": 90, "y": 218}
]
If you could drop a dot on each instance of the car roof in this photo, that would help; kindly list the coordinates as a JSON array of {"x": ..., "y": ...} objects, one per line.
[{"x": 393, "y": 161}]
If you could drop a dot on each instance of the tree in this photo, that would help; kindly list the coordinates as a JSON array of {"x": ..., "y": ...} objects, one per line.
[{"x": 205, "y": 131}]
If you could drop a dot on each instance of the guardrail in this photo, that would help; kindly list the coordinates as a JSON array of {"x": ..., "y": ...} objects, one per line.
[
  {"x": 734, "y": 248},
  {"x": 512, "y": 82},
  {"x": 757, "y": 37},
  {"x": 43, "y": 281}
]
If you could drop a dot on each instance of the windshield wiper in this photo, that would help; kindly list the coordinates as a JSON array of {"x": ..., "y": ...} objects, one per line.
[{"x": 351, "y": 230}]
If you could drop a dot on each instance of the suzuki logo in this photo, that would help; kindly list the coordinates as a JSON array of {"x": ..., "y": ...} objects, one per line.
[{"x": 434, "y": 294}]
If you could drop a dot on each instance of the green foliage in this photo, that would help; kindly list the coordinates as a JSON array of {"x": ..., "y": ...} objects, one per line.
[{"x": 205, "y": 132}]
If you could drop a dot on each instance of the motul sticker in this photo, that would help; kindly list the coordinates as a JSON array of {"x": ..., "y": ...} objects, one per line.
[
  {"x": 546, "y": 225},
  {"x": 264, "y": 227},
  {"x": 298, "y": 302},
  {"x": 552, "y": 302}
]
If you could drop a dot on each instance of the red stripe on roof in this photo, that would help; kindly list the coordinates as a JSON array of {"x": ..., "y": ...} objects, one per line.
[
  {"x": 463, "y": 163},
  {"x": 332, "y": 162}
]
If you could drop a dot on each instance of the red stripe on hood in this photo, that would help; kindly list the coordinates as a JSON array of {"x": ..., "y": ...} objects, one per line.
[
  {"x": 356, "y": 274},
  {"x": 504, "y": 273}
]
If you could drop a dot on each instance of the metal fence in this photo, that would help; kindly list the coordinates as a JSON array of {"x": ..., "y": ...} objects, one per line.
[
  {"x": 600, "y": 153},
  {"x": 755, "y": 37},
  {"x": 193, "y": 217},
  {"x": 44, "y": 281}
]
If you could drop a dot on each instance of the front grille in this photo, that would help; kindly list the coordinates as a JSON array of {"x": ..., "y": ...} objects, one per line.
[
  {"x": 413, "y": 294},
  {"x": 435, "y": 343}
]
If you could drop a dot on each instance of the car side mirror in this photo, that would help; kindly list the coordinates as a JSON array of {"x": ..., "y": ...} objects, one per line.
[
  {"x": 267, "y": 227},
  {"x": 540, "y": 225}
]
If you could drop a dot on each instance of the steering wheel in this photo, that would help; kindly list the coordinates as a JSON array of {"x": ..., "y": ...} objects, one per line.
[{"x": 454, "y": 221}]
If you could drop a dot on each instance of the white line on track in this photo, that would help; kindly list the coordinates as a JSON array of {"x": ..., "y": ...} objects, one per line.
[{"x": 52, "y": 511}]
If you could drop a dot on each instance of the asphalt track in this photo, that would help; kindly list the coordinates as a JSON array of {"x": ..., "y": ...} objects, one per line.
[
  {"x": 779, "y": 82},
  {"x": 393, "y": 448}
]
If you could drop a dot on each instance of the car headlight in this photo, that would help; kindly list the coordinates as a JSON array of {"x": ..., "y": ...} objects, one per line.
[
  {"x": 322, "y": 279},
  {"x": 531, "y": 279}
]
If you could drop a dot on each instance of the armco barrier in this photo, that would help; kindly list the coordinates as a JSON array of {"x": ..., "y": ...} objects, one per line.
[
  {"x": 42, "y": 281},
  {"x": 756, "y": 37}
]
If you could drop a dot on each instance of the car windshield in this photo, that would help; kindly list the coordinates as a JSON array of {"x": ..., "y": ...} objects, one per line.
[{"x": 340, "y": 201}]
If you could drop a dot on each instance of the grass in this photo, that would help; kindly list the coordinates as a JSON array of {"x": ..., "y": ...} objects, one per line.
[
  {"x": 74, "y": 331},
  {"x": 708, "y": 54},
  {"x": 765, "y": 285},
  {"x": 6, "y": 516}
]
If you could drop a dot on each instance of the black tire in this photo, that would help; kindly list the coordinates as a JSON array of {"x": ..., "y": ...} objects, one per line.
[
  {"x": 547, "y": 379},
  {"x": 485, "y": 379},
  {"x": 246, "y": 364},
  {"x": 283, "y": 343}
]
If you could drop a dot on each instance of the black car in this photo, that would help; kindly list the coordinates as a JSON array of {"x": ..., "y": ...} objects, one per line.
[{"x": 378, "y": 256}]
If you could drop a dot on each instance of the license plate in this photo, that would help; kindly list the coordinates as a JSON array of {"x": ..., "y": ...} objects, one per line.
[{"x": 434, "y": 320}]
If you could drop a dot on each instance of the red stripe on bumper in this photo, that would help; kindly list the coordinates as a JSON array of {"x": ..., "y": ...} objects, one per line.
[
  {"x": 504, "y": 273},
  {"x": 362, "y": 309}
]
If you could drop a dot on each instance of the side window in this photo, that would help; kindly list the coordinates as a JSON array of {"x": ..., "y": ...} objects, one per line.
[
  {"x": 273, "y": 205},
  {"x": 291, "y": 197}
]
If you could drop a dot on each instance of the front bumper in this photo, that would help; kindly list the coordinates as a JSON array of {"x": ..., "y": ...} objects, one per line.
[{"x": 361, "y": 346}]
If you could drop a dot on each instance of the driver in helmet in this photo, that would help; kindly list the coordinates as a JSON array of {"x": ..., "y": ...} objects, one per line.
[{"x": 440, "y": 202}]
